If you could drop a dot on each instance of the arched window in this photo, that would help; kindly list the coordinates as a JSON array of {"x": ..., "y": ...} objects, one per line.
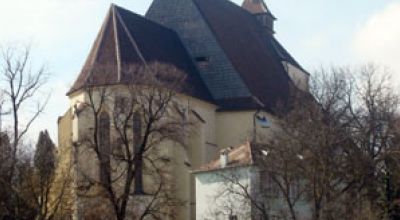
[
  {"x": 104, "y": 146},
  {"x": 137, "y": 130},
  {"x": 120, "y": 105},
  {"x": 137, "y": 139}
]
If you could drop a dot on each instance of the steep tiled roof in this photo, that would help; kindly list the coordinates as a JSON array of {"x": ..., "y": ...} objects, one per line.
[
  {"x": 256, "y": 56},
  {"x": 127, "y": 39}
]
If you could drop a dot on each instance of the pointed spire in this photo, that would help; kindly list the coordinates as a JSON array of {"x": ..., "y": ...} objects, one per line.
[{"x": 260, "y": 10}]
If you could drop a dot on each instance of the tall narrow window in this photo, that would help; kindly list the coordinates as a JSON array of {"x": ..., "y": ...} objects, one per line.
[
  {"x": 233, "y": 217},
  {"x": 104, "y": 147},
  {"x": 137, "y": 139},
  {"x": 137, "y": 131},
  {"x": 120, "y": 105},
  {"x": 269, "y": 186}
]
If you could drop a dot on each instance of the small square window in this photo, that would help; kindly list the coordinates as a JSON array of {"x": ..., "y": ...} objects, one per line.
[{"x": 202, "y": 61}]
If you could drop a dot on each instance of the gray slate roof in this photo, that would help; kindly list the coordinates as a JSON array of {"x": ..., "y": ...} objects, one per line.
[{"x": 256, "y": 57}]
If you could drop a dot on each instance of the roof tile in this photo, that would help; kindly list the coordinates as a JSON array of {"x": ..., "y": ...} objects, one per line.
[{"x": 138, "y": 40}]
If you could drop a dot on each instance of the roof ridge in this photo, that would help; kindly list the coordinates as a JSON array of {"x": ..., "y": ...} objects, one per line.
[
  {"x": 95, "y": 50},
  {"x": 131, "y": 38},
  {"x": 127, "y": 38},
  {"x": 117, "y": 44},
  {"x": 147, "y": 19},
  {"x": 291, "y": 59}
]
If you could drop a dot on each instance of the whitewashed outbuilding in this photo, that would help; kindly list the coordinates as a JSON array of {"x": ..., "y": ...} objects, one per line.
[{"x": 229, "y": 188}]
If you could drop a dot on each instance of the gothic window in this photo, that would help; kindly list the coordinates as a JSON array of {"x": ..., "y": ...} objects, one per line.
[
  {"x": 117, "y": 149},
  {"x": 274, "y": 217},
  {"x": 104, "y": 146},
  {"x": 268, "y": 186},
  {"x": 233, "y": 217},
  {"x": 295, "y": 188},
  {"x": 137, "y": 130},
  {"x": 137, "y": 137},
  {"x": 120, "y": 105}
]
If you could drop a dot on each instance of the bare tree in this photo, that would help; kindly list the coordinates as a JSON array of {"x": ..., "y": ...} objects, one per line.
[
  {"x": 235, "y": 198},
  {"x": 22, "y": 84},
  {"x": 20, "y": 87},
  {"x": 374, "y": 128},
  {"x": 337, "y": 149},
  {"x": 319, "y": 125},
  {"x": 274, "y": 189},
  {"x": 2, "y": 112},
  {"x": 281, "y": 179},
  {"x": 131, "y": 127},
  {"x": 303, "y": 162},
  {"x": 343, "y": 134}
]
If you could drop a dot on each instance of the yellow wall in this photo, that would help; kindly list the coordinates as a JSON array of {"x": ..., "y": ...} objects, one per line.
[
  {"x": 237, "y": 127},
  {"x": 213, "y": 131},
  {"x": 234, "y": 128},
  {"x": 200, "y": 151},
  {"x": 201, "y": 144},
  {"x": 64, "y": 174}
]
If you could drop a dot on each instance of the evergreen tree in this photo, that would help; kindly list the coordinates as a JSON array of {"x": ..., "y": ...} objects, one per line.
[
  {"x": 45, "y": 159},
  {"x": 44, "y": 166}
]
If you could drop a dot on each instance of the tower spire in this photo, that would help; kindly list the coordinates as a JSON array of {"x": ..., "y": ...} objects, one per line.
[{"x": 260, "y": 10}]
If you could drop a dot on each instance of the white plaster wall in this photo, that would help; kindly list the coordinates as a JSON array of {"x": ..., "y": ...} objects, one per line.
[
  {"x": 211, "y": 201},
  {"x": 213, "y": 204}
]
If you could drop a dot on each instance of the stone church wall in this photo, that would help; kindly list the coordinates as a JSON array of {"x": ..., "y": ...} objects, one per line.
[{"x": 201, "y": 150}]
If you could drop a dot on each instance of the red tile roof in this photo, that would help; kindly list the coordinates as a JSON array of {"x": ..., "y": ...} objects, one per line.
[{"x": 242, "y": 155}]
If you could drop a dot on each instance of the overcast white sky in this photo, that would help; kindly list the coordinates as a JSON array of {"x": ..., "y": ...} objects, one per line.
[{"x": 315, "y": 32}]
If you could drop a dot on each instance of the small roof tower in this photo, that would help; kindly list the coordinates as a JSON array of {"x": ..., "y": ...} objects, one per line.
[{"x": 260, "y": 10}]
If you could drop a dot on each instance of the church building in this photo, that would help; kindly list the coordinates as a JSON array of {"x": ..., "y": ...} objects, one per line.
[{"x": 237, "y": 70}]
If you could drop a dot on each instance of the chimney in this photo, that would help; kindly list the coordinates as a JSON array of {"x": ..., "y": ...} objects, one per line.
[
  {"x": 260, "y": 10},
  {"x": 224, "y": 159}
]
